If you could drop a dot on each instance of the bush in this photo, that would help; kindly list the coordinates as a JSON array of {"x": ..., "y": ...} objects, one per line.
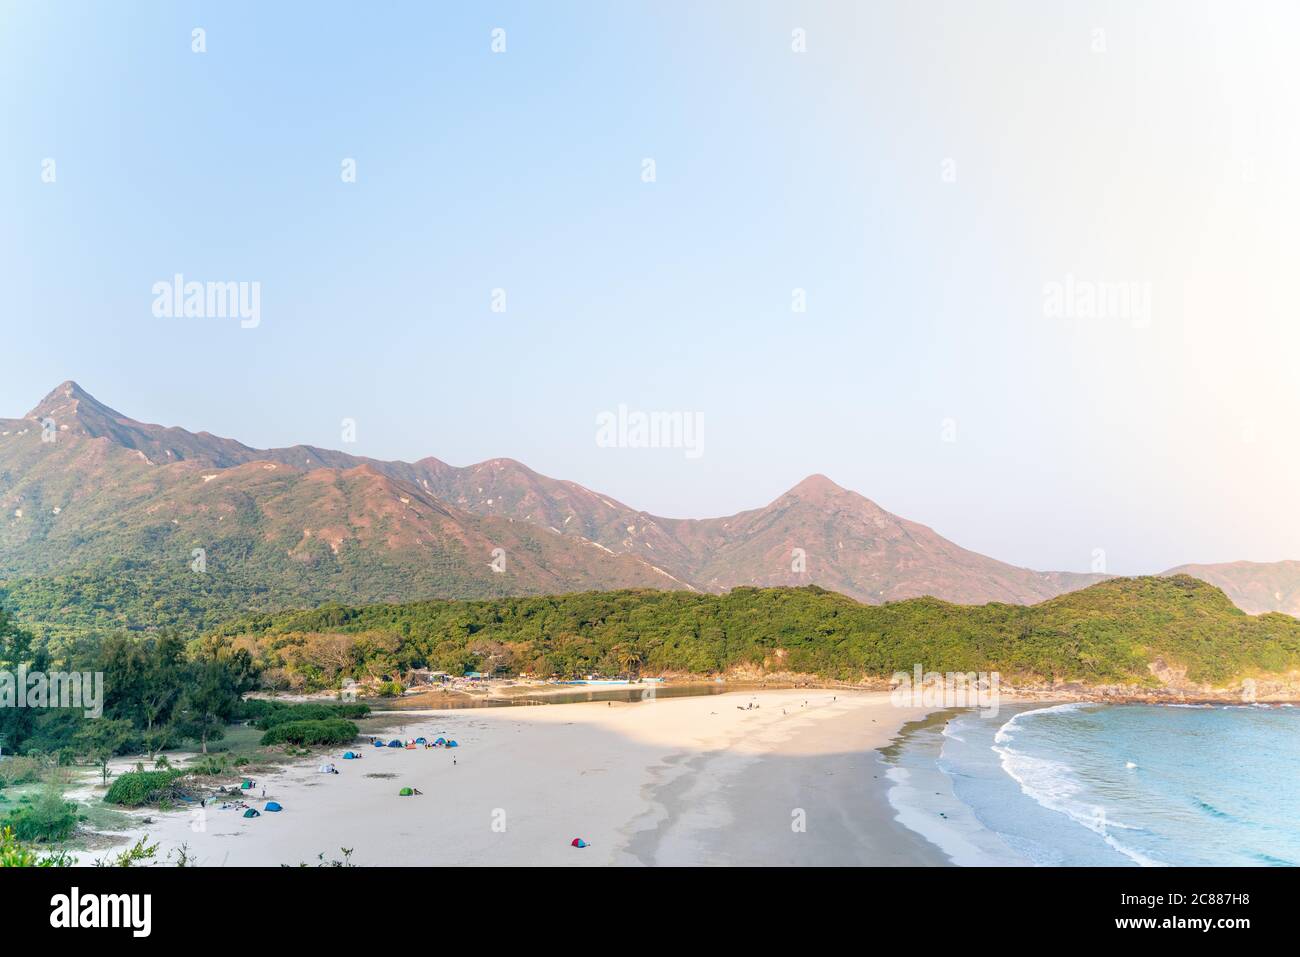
[
  {"x": 252, "y": 709},
  {"x": 136, "y": 788},
  {"x": 48, "y": 818},
  {"x": 19, "y": 770},
  {"x": 333, "y": 731},
  {"x": 211, "y": 765},
  {"x": 311, "y": 711},
  {"x": 15, "y": 854}
]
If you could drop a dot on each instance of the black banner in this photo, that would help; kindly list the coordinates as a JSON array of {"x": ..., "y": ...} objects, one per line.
[{"x": 167, "y": 906}]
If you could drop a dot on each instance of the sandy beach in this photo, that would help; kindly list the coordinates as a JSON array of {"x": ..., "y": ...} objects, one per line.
[{"x": 679, "y": 781}]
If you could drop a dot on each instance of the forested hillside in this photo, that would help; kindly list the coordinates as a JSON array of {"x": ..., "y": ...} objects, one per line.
[{"x": 1109, "y": 632}]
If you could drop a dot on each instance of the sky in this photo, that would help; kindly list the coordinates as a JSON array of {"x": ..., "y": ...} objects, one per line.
[{"x": 1015, "y": 270}]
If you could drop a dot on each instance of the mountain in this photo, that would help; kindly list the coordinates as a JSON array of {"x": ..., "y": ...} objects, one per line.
[
  {"x": 1256, "y": 587},
  {"x": 82, "y": 484},
  {"x": 851, "y": 545}
]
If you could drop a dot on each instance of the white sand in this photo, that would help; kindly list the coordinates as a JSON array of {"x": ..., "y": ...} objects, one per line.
[{"x": 690, "y": 780}]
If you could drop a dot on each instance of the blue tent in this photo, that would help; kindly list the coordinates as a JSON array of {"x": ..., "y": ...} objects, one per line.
[
  {"x": 452, "y": 744},
  {"x": 273, "y": 806},
  {"x": 379, "y": 744},
  {"x": 394, "y": 743},
  {"x": 348, "y": 755},
  {"x": 421, "y": 740},
  {"x": 439, "y": 741}
]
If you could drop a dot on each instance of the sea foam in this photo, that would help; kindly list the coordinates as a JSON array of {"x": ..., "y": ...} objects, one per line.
[{"x": 1053, "y": 785}]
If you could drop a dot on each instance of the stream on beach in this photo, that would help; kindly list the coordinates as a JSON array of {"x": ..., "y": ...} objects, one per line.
[{"x": 440, "y": 700}]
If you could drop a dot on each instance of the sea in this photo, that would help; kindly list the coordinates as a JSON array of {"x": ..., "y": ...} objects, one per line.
[{"x": 1104, "y": 785}]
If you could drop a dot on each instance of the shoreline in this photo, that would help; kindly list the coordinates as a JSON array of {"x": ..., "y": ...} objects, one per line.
[
  {"x": 922, "y": 793},
  {"x": 748, "y": 816},
  {"x": 757, "y": 777},
  {"x": 1091, "y": 790},
  {"x": 491, "y": 694}
]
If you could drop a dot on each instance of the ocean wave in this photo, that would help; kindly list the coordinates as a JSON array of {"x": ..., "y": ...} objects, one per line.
[
  {"x": 1052, "y": 785},
  {"x": 948, "y": 732},
  {"x": 1004, "y": 734},
  {"x": 1213, "y": 811},
  {"x": 1272, "y": 861}
]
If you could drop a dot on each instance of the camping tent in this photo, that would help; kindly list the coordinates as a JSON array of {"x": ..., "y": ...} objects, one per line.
[
  {"x": 421, "y": 740},
  {"x": 348, "y": 755},
  {"x": 453, "y": 744},
  {"x": 327, "y": 769},
  {"x": 405, "y": 792},
  {"x": 273, "y": 806},
  {"x": 439, "y": 742},
  {"x": 246, "y": 785},
  {"x": 578, "y": 842},
  {"x": 252, "y": 813},
  {"x": 394, "y": 743}
]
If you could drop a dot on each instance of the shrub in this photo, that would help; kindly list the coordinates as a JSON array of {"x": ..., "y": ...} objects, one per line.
[
  {"x": 136, "y": 788},
  {"x": 140, "y": 854},
  {"x": 48, "y": 818},
  {"x": 211, "y": 765},
  {"x": 333, "y": 731},
  {"x": 311, "y": 711},
  {"x": 15, "y": 854},
  {"x": 19, "y": 770},
  {"x": 252, "y": 709}
]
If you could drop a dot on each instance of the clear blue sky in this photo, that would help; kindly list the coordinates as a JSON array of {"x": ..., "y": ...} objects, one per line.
[{"x": 1163, "y": 155}]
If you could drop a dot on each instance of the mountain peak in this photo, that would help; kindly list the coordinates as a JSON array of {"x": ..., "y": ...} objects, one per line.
[
  {"x": 69, "y": 401},
  {"x": 76, "y": 412},
  {"x": 816, "y": 486}
]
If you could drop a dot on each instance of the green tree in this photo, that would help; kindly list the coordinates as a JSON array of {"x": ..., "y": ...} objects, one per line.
[
  {"x": 217, "y": 681},
  {"x": 101, "y": 738},
  {"x": 163, "y": 680}
]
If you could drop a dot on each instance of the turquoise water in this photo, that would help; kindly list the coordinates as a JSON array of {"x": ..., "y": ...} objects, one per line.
[{"x": 1094, "y": 785}]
